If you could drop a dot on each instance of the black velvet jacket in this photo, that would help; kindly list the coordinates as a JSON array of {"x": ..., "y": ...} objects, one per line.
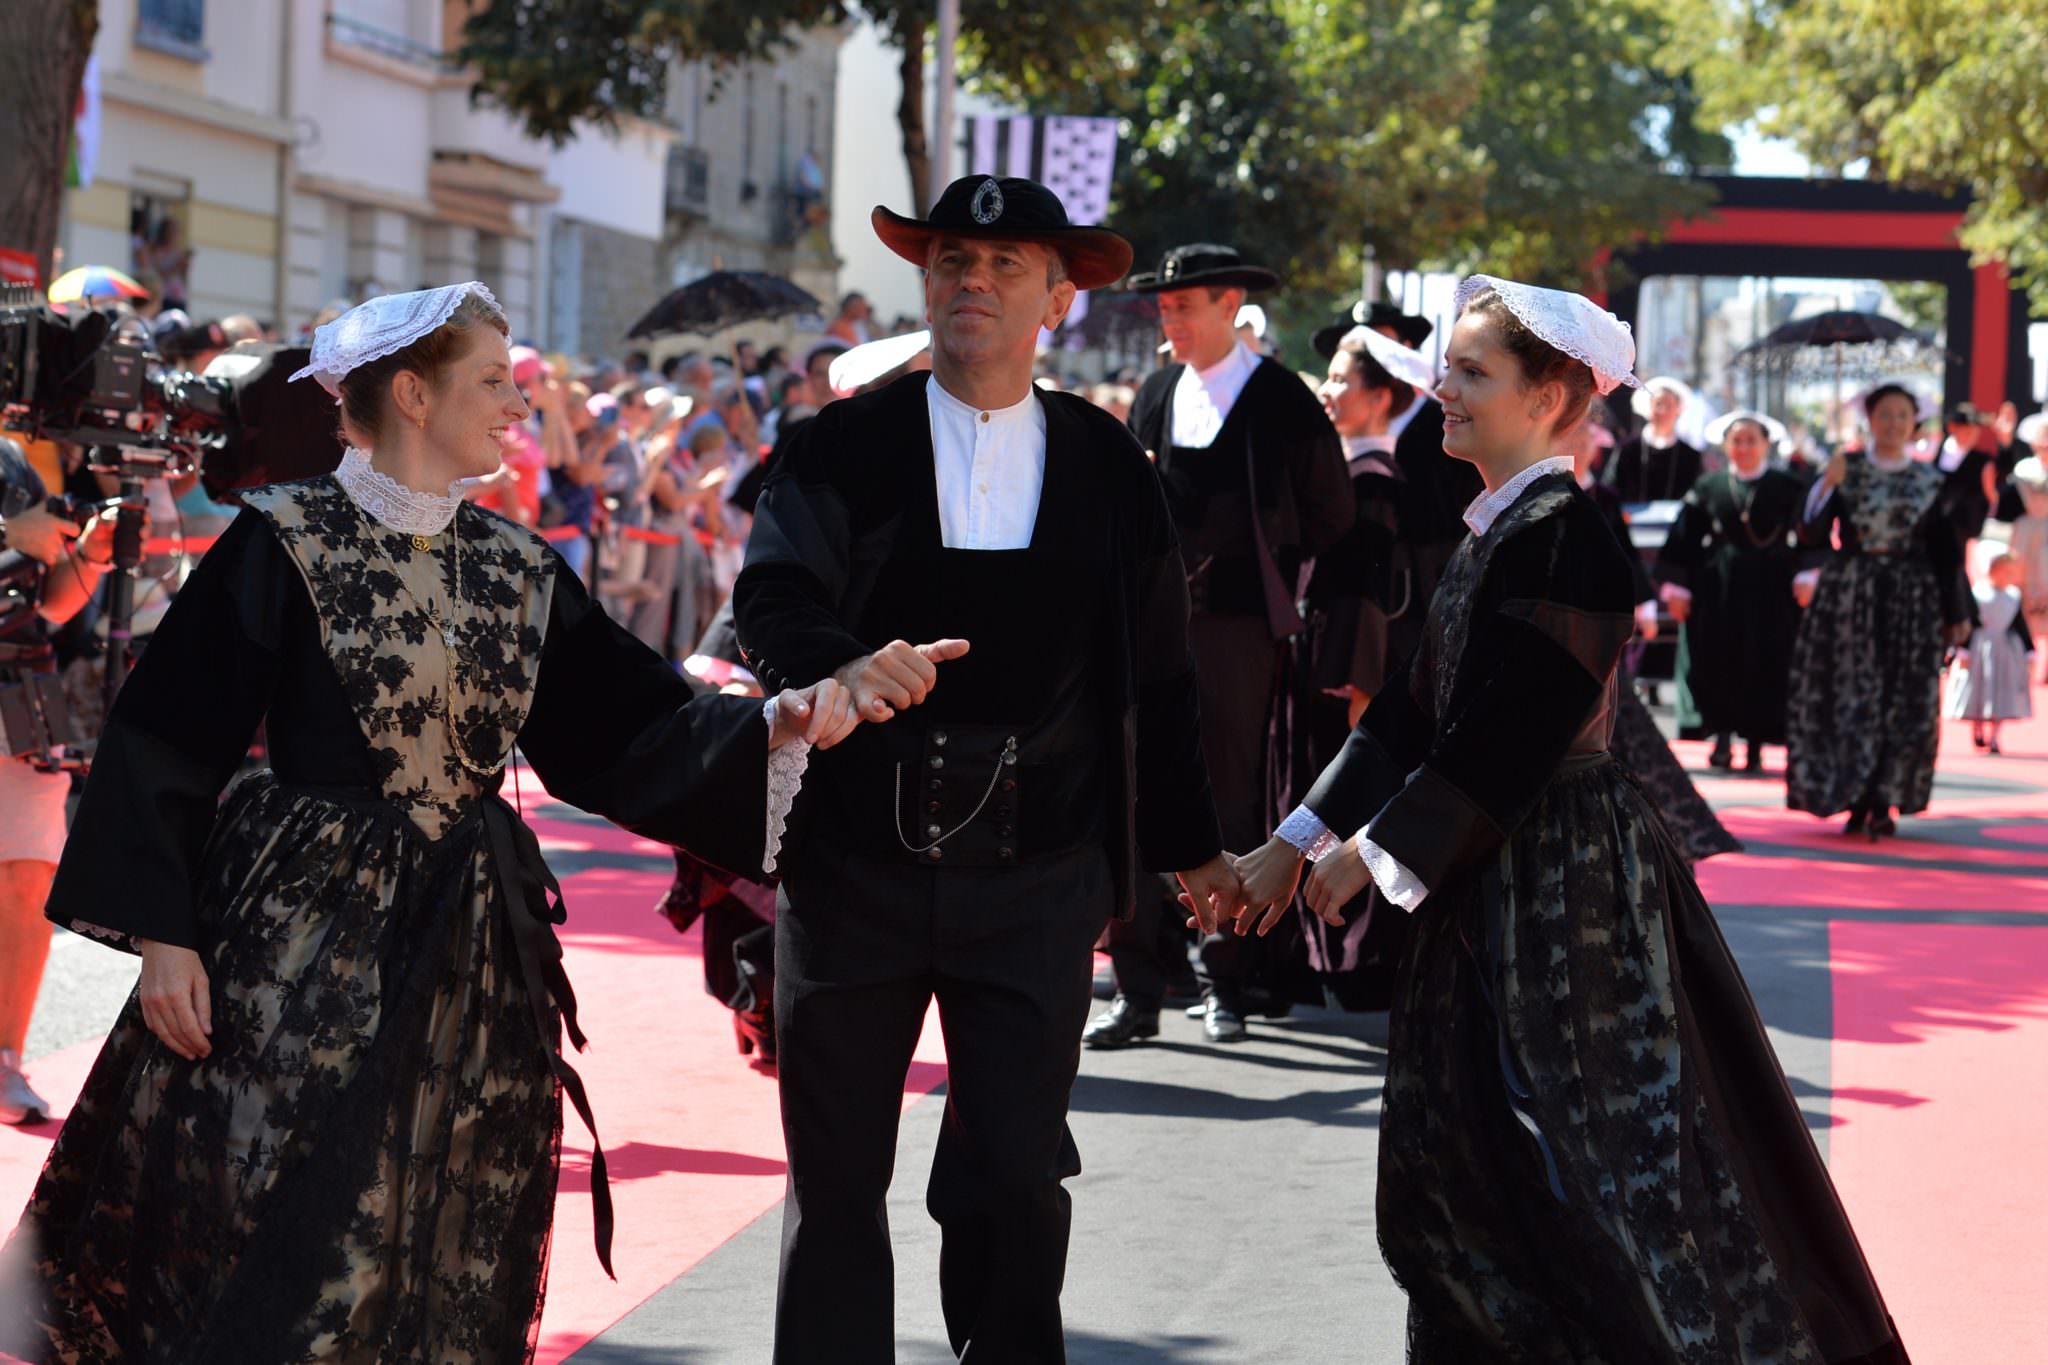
[
  {"x": 1276, "y": 428},
  {"x": 1516, "y": 675},
  {"x": 1644, "y": 473},
  {"x": 829, "y": 517}
]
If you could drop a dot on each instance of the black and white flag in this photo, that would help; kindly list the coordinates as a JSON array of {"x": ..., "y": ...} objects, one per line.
[{"x": 1075, "y": 158}]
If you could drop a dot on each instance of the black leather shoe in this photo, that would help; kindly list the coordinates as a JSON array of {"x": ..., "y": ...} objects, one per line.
[
  {"x": 1753, "y": 761},
  {"x": 1723, "y": 755},
  {"x": 1121, "y": 1025},
  {"x": 1221, "y": 1024},
  {"x": 1858, "y": 817}
]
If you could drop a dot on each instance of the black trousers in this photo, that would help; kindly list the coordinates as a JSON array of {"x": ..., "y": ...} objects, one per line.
[
  {"x": 1238, "y": 666},
  {"x": 862, "y": 949}
]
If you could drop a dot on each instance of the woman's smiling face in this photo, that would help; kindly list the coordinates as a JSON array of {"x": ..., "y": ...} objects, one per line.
[{"x": 1487, "y": 411}]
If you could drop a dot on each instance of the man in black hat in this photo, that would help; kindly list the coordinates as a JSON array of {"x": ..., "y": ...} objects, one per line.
[
  {"x": 1255, "y": 477},
  {"x": 1018, "y": 773},
  {"x": 1435, "y": 489}
]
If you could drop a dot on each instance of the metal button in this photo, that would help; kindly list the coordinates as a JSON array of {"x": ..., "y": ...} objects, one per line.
[
  {"x": 936, "y": 762},
  {"x": 1006, "y": 855},
  {"x": 1009, "y": 784},
  {"x": 1006, "y": 831},
  {"x": 932, "y": 831},
  {"x": 984, "y": 417},
  {"x": 935, "y": 785},
  {"x": 935, "y": 853},
  {"x": 1002, "y": 812},
  {"x": 939, "y": 738},
  {"x": 934, "y": 807}
]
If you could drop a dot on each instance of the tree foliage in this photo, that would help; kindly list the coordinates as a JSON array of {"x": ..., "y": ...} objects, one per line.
[
  {"x": 1447, "y": 133},
  {"x": 1936, "y": 94}
]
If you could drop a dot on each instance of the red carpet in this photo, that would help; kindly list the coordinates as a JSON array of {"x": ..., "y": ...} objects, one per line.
[
  {"x": 1940, "y": 1045},
  {"x": 1938, "y": 1061}
]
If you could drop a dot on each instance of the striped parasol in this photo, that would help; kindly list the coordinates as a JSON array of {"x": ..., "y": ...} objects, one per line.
[{"x": 90, "y": 282}]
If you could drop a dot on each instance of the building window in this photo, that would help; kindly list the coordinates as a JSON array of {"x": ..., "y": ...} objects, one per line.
[
  {"x": 159, "y": 254},
  {"x": 782, "y": 132},
  {"x": 177, "y": 27},
  {"x": 747, "y": 128}
]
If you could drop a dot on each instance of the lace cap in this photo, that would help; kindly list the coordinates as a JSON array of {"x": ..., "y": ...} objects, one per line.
[
  {"x": 1573, "y": 323},
  {"x": 372, "y": 330},
  {"x": 1411, "y": 367},
  {"x": 1774, "y": 430}
]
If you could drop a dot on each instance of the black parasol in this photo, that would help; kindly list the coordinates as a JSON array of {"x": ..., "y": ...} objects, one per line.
[{"x": 722, "y": 299}]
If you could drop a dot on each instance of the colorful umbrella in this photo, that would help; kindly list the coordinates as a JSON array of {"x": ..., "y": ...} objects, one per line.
[{"x": 95, "y": 282}]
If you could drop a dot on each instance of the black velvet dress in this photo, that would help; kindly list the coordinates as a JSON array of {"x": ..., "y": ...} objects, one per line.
[
  {"x": 1588, "y": 1152},
  {"x": 1735, "y": 548},
  {"x": 363, "y": 1169}
]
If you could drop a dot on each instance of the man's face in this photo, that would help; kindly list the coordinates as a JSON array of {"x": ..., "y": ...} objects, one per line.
[
  {"x": 818, "y": 379},
  {"x": 1200, "y": 324},
  {"x": 987, "y": 300}
]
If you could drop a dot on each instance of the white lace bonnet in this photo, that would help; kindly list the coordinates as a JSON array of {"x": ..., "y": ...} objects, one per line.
[
  {"x": 1774, "y": 430},
  {"x": 1573, "y": 323},
  {"x": 374, "y": 329},
  {"x": 1409, "y": 366}
]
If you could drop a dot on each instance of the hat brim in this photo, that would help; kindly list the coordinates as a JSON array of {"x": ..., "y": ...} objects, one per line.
[
  {"x": 1251, "y": 277},
  {"x": 1095, "y": 256}
]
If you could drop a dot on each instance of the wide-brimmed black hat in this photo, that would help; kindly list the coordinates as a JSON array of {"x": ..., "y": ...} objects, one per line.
[
  {"x": 1012, "y": 210},
  {"x": 1409, "y": 330},
  {"x": 1203, "y": 265}
]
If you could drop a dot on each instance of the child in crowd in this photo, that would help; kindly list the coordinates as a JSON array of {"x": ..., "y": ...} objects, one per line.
[{"x": 1990, "y": 684}]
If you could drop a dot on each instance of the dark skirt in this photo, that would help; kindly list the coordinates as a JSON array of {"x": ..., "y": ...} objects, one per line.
[
  {"x": 1589, "y": 1154},
  {"x": 1864, "y": 720},
  {"x": 1641, "y": 748},
  {"x": 364, "y": 1168}
]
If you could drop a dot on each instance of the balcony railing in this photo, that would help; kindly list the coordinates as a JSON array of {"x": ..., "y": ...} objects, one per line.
[{"x": 385, "y": 43}]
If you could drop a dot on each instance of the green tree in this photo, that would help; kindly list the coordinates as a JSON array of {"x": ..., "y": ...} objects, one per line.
[
  {"x": 1935, "y": 94},
  {"x": 43, "y": 49},
  {"x": 553, "y": 62},
  {"x": 1446, "y": 134}
]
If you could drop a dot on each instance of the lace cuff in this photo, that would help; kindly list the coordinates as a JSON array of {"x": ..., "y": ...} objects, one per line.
[
  {"x": 1307, "y": 832},
  {"x": 786, "y": 768},
  {"x": 1817, "y": 498},
  {"x": 1671, "y": 592},
  {"x": 1806, "y": 578},
  {"x": 1396, "y": 883},
  {"x": 123, "y": 941}
]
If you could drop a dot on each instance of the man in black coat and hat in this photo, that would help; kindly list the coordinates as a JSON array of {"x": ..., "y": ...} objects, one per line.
[
  {"x": 1436, "y": 489},
  {"x": 1255, "y": 477},
  {"x": 1019, "y": 770}
]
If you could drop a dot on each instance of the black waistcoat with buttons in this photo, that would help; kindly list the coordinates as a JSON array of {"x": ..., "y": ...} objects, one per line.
[{"x": 1007, "y": 761}]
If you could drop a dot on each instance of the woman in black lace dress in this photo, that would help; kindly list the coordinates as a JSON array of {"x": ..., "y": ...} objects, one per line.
[
  {"x": 1588, "y": 1152},
  {"x": 1863, "y": 719},
  {"x": 327, "y": 1126}
]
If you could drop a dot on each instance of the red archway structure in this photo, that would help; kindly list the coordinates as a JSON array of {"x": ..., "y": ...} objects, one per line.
[{"x": 1853, "y": 229}]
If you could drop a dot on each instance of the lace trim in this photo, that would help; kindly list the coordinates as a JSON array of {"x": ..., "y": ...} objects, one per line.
[
  {"x": 786, "y": 768},
  {"x": 113, "y": 936},
  {"x": 390, "y": 503},
  {"x": 1573, "y": 323},
  {"x": 1400, "y": 886},
  {"x": 374, "y": 329},
  {"x": 1307, "y": 832},
  {"x": 1487, "y": 507}
]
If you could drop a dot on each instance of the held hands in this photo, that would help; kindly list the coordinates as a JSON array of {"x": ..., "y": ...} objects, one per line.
[
  {"x": 1212, "y": 893},
  {"x": 1269, "y": 874},
  {"x": 177, "y": 1004},
  {"x": 895, "y": 677},
  {"x": 1337, "y": 881},
  {"x": 820, "y": 715}
]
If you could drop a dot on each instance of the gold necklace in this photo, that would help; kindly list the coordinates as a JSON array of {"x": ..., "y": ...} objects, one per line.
[{"x": 445, "y": 628}]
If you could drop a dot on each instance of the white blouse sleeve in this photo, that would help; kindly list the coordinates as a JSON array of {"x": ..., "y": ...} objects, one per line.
[{"x": 1396, "y": 883}]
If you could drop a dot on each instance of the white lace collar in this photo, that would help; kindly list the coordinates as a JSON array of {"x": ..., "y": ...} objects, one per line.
[
  {"x": 1487, "y": 507},
  {"x": 390, "y": 503}
]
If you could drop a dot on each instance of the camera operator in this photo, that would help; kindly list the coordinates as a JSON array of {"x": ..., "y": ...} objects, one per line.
[{"x": 73, "y": 559}]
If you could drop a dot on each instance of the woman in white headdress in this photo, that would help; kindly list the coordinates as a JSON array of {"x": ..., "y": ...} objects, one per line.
[
  {"x": 1657, "y": 463},
  {"x": 1588, "y": 1152},
  {"x": 327, "y": 1125},
  {"x": 2029, "y": 543},
  {"x": 1726, "y": 571}
]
